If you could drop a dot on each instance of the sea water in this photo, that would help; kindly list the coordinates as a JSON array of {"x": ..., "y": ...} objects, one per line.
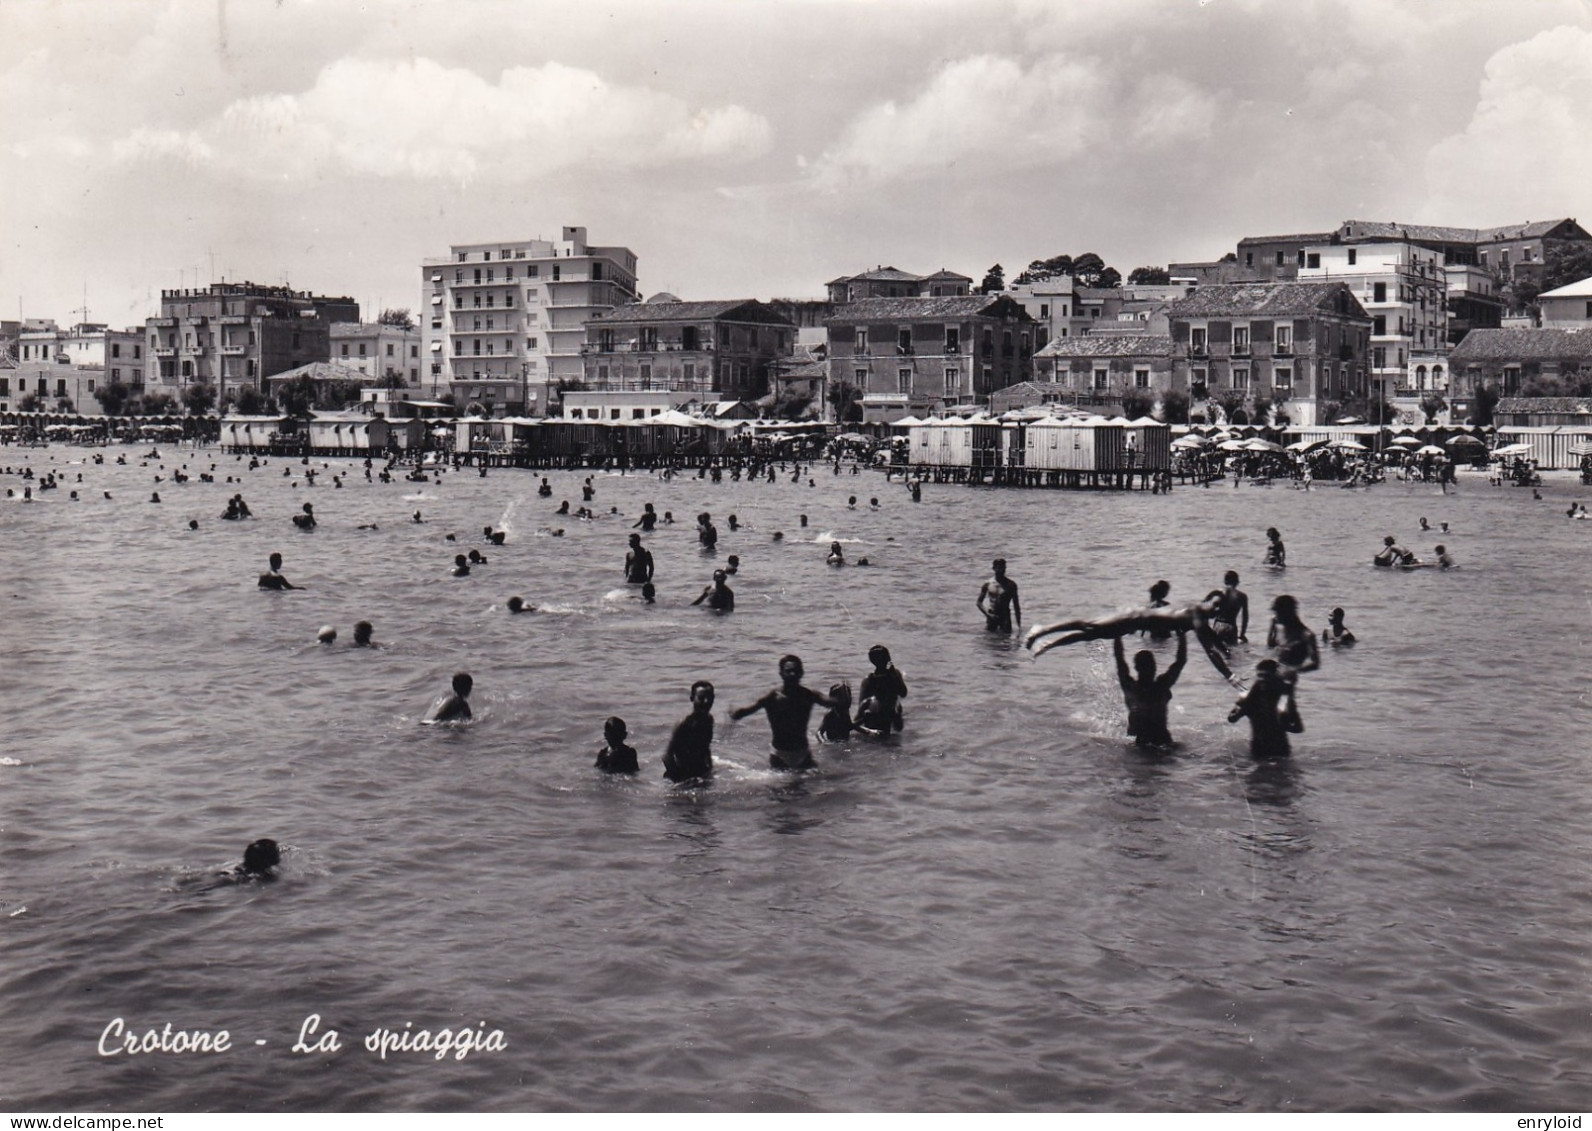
[{"x": 1007, "y": 907}]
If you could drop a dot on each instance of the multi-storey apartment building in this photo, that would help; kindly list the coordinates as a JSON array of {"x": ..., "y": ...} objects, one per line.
[
  {"x": 1302, "y": 344},
  {"x": 1404, "y": 288},
  {"x": 718, "y": 350},
  {"x": 234, "y": 335},
  {"x": 59, "y": 366},
  {"x": 1098, "y": 370},
  {"x": 504, "y": 322},
  {"x": 918, "y": 355},
  {"x": 382, "y": 352}
]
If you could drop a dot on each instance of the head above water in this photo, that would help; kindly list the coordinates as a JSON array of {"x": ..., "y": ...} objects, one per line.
[
  {"x": 1159, "y": 590},
  {"x": 327, "y": 634},
  {"x": 1144, "y": 664},
  {"x": 1230, "y": 577},
  {"x": 1389, "y": 540},
  {"x": 649, "y": 592},
  {"x": 1336, "y": 615},
  {"x": 276, "y": 561},
  {"x": 462, "y": 685},
  {"x": 614, "y": 729},
  {"x": 1285, "y": 607},
  {"x": 790, "y": 667},
  {"x": 702, "y": 695},
  {"x": 999, "y": 566},
  {"x": 516, "y": 604},
  {"x": 362, "y": 632},
  {"x": 840, "y": 693},
  {"x": 1271, "y": 532},
  {"x": 261, "y": 856},
  {"x": 879, "y": 656}
]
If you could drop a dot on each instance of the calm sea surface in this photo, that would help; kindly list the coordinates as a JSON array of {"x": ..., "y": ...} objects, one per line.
[{"x": 1006, "y": 908}]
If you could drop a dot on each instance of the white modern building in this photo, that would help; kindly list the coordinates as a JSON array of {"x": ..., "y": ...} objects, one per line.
[
  {"x": 504, "y": 322},
  {"x": 1568, "y": 307}
]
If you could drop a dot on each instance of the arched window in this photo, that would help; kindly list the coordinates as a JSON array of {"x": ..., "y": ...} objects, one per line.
[{"x": 1420, "y": 376}]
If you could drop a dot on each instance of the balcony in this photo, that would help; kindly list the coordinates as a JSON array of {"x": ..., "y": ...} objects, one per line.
[
  {"x": 165, "y": 351},
  {"x": 234, "y": 351}
]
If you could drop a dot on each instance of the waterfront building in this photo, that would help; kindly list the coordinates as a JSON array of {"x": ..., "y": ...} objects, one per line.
[
  {"x": 901, "y": 356},
  {"x": 233, "y": 336},
  {"x": 385, "y": 353},
  {"x": 1568, "y": 307},
  {"x": 1509, "y": 360},
  {"x": 1096, "y": 372},
  {"x": 504, "y": 322},
  {"x": 67, "y": 367},
  {"x": 714, "y": 350},
  {"x": 1301, "y": 346}
]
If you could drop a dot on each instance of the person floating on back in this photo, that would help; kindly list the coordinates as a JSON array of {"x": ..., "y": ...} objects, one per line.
[
  {"x": 1146, "y": 694},
  {"x": 455, "y": 706},
  {"x": 788, "y": 706},
  {"x": 689, "y": 755},
  {"x": 615, "y": 757},
  {"x": 1193, "y": 618}
]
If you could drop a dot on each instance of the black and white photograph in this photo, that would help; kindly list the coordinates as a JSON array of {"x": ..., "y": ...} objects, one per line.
[{"x": 776, "y": 556}]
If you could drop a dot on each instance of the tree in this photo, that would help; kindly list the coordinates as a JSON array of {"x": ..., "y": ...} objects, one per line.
[
  {"x": 1433, "y": 405},
  {"x": 1137, "y": 403},
  {"x": 113, "y": 398},
  {"x": 1230, "y": 401},
  {"x": 399, "y": 317},
  {"x": 158, "y": 404},
  {"x": 790, "y": 406},
  {"x": 1042, "y": 269},
  {"x": 199, "y": 399},
  {"x": 1486, "y": 399},
  {"x": 994, "y": 280},
  {"x": 296, "y": 397},
  {"x": 1174, "y": 407},
  {"x": 251, "y": 402},
  {"x": 1108, "y": 278},
  {"x": 1149, "y": 277},
  {"x": 29, "y": 403},
  {"x": 1261, "y": 412},
  {"x": 847, "y": 399}
]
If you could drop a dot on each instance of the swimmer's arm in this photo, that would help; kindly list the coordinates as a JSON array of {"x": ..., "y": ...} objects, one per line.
[
  {"x": 1017, "y": 606},
  {"x": 742, "y": 712},
  {"x": 901, "y": 683},
  {"x": 1175, "y": 669},
  {"x": 1123, "y": 674},
  {"x": 1243, "y": 618},
  {"x": 704, "y": 596},
  {"x": 982, "y": 593}
]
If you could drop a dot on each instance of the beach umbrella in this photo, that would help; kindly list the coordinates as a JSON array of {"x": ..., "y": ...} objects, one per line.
[
  {"x": 1465, "y": 438},
  {"x": 1262, "y": 446},
  {"x": 1430, "y": 450},
  {"x": 1581, "y": 449},
  {"x": 1190, "y": 442},
  {"x": 1513, "y": 450},
  {"x": 1347, "y": 445},
  {"x": 1233, "y": 446},
  {"x": 1411, "y": 441}
]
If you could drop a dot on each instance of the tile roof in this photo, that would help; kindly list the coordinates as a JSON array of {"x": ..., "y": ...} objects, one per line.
[
  {"x": 1378, "y": 229},
  {"x": 1110, "y": 345},
  {"x": 1260, "y": 300},
  {"x": 1298, "y": 237},
  {"x": 907, "y": 309},
  {"x": 1523, "y": 345},
  {"x": 743, "y": 310}
]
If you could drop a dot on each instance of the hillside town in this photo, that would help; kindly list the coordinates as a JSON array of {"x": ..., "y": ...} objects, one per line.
[{"x": 1370, "y": 323}]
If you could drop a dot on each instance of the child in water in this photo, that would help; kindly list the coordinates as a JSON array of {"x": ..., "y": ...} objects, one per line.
[
  {"x": 1269, "y": 706},
  {"x": 454, "y": 707},
  {"x": 837, "y": 724},
  {"x": 616, "y": 757},
  {"x": 882, "y": 692}
]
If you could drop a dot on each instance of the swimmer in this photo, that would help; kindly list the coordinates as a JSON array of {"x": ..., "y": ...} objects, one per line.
[
  {"x": 837, "y": 723},
  {"x": 461, "y": 566},
  {"x": 455, "y": 706},
  {"x": 1444, "y": 559},
  {"x": 804, "y": 521},
  {"x": 193, "y": 523},
  {"x": 563, "y": 507},
  {"x": 851, "y": 503},
  {"x": 327, "y": 634},
  {"x": 1193, "y": 618},
  {"x": 734, "y": 523},
  {"x": 259, "y": 861},
  {"x": 779, "y": 535},
  {"x": 1425, "y": 526},
  {"x": 517, "y": 605},
  {"x": 477, "y": 557},
  {"x": 1230, "y": 621},
  {"x": 690, "y": 751},
  {"x": 998, "y": 600},
  {"x": 362, "y": 634},
  {"x": 1294, "y": 643},
  {"x": 719, "y": 595},
  {"x": 668, "y": 518},
  {"x": 638, "y": 562},
  {"x": 1337, "y": 633},
  {"x": 416, "y": 517},
  {"x": 788, "y": 708},
  {"x": 546, "y": 488},
  {"x": 732, "y": 566},
  {"x": 615, "y": 757},
  {"x": 1146, "y": 694},
  {"x": 1276, "y": 553},
  {"x": 882, "y": 691},
  {"x": 873, "y": 504},
  {"x": 837, "y": 556},
  {"x": 1269, "y": 706},
  {"x": 272, "y": 578},
  {"x": 154, "y": 497},
  {"x": 1392, "y": 554},
  {"x": 648, "y": 519},
  {"x": 305, "y": 521},
  {"x": 707, "y": 533}
]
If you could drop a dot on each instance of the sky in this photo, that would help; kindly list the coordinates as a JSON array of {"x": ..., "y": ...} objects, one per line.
[{"x": 753, "y": 148}]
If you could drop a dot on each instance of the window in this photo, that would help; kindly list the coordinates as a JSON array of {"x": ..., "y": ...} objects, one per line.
[
  {"x": 1240, "y": 377},
  {"x": 861, "y": 347},
  {"x": 689, "y": 371},
  {"x": 1379, "y": 357},
  {"x": 486, "y": 257},
  {"x": 638, "y": 414},
  {"x": 557, "y": 270},
  {"x": 953, "y": 383},
  {"x": 414, "y": 351},
  {"x": 530, "y": 344},
  {"x": 1044, "y": 310},
  {"x": 597, "y": 272},
  {"x": 1102, "y": 377},
  {"x": 904, "y": 381},
  {"x": 1249, "y": 259},
  {"x": 904, "y": 340},
  {"x": 463, "y": 255},
  {"x": 1141, "y": 378},
  {"x": 476, "y": 342},
  {"x": 953, "y": 338},
  {"x": 1313, "y": 260},
  {"x": 1379, "y": 325},
  {"x": 508, "y": 272},
  {"x": 458, "y": 347},
  {"x": 1284, "y": 345},
  {"x": 530, "y": 273},
  {"x": 646, "y": 376},
  {"x": 1301, "y": 257},
  {"x": 345, "y": 349},
  {"x": 1240, "y": 339},
  {"x": 1352, "y": 252},
  {"x": 138, "y": 349},
  {"x": 1197, "y": 377},
  {"x": 1378, "y": 292},
  {"x": 1196, "y": 340},
  {"x": 1279, "y": 259},
  {"x": 361, "y": 349},
  {"x": 860, "y": 378}
]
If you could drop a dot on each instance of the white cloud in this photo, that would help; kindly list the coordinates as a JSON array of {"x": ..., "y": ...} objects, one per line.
[
  {"x": 421, "y": 120},
  {"x": 1524, "y": 154},
  {"x": 990, "y": 114}
]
